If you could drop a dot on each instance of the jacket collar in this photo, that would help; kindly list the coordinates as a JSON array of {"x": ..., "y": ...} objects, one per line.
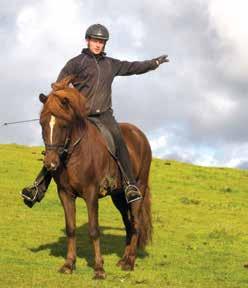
[{"x": 89, "y": 53}]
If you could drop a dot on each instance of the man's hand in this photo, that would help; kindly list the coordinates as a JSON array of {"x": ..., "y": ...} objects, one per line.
[{"x": 162, "y": 59}]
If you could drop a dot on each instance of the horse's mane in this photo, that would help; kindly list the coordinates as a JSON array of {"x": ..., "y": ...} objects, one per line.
[{"x": 65, "y": 101}]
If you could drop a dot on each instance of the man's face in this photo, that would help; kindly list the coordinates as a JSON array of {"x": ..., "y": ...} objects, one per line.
[{"x": 96, "y": 46}]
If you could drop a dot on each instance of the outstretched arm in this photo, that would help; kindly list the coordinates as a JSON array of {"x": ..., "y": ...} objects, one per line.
[{"x": 126, "y": 68}]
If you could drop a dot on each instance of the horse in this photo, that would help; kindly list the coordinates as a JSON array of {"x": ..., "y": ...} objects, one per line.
[{"x": 81, "y": 165}]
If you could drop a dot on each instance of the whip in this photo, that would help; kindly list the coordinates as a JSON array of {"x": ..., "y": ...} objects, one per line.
[{"x": 17, "y": 122}]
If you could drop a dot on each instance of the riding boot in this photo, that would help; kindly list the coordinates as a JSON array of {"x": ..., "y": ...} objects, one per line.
[
  {"x": 132, "y": 192},
  {"x": 35, "y": 192}
]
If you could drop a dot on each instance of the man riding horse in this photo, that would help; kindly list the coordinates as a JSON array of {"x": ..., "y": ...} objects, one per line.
[{"x": 94, "y": 73}]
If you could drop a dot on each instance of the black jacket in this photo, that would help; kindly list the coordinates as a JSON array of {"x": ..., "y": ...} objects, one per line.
[{"x": 95, "y": 74}]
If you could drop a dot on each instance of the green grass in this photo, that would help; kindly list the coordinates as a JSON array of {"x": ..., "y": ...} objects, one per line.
[{"x": 200, "y": 239}]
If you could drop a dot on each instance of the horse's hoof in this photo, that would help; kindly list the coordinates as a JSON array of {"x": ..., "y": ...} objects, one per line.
[
  {"x": 120, "y": 263},
  {"x": 126, "y": 267},
  {"x": 99, "y": 275},
  {"x": 67, "y": 269},
  {"x": 127, "y": 264}
]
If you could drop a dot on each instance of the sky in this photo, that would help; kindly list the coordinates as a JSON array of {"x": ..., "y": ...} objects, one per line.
[{"x": 192, "y": 109}]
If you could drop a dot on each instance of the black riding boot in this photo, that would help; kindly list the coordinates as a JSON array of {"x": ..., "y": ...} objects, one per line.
[
  {"x": 36, "y": 191},
  {"x": 132, "y": 192}
]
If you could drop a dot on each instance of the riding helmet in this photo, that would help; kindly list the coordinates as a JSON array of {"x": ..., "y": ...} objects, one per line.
[{"x": 97, "y": 31}]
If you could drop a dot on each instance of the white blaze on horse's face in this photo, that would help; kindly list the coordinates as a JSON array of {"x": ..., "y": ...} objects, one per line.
[{"x": 52, "y": 124}]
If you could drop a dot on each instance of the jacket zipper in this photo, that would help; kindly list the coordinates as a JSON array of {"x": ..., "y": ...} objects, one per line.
[{"x": 97, "y": 83}]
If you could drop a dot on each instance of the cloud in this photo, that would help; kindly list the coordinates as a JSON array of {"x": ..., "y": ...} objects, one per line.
[
  {"x": 230, "y": 20},
  {"x": 192, "y": 109}
]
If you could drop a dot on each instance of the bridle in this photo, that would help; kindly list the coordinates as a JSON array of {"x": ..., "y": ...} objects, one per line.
[
  {"x": 65, "y": 150},
  {"x": 60, "y": 148}
]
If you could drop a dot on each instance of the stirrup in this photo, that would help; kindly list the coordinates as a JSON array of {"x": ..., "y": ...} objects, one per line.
[
  {"x": 25, "y": 197},
  {"x": 132, "y": 193}
]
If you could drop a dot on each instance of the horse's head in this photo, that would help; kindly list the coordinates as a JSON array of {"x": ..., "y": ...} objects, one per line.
[{"x": 63, "y": 107}]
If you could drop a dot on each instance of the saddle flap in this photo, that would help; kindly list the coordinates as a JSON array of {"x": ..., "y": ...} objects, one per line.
[{"x": 106, "y": 134}]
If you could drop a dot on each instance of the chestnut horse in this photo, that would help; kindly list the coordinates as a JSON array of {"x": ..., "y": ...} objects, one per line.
[{"x": 90, "y": 172}]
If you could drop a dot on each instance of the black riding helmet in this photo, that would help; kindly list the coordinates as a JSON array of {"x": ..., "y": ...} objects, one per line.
[{"x": 97, "y": 31}]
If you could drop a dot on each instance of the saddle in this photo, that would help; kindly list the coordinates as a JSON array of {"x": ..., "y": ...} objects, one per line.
[
  {"x": 106, "y": 134},
  {"x": 110, "y": 144}
]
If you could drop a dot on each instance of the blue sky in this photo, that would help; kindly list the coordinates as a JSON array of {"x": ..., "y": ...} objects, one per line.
[{"x": 192, "y": 109}]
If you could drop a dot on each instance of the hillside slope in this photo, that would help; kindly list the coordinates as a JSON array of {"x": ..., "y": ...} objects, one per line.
[{"x": 200, "y": 229}]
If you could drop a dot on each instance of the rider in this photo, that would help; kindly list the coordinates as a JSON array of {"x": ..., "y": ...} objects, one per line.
[{"x": 94, "y": 73}]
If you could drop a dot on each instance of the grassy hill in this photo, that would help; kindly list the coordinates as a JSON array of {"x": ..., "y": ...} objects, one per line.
[{"x": 200, "y": 238}]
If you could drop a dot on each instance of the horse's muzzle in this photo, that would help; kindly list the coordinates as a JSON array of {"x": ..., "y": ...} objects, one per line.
[
  {"x": 51, "y": 166},
  {"x": 51, "y": 161}
]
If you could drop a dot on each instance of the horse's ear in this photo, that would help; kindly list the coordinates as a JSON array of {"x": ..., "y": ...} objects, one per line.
[
  {"x": 62, "y": 84},
  {"x": 68, "y": 80},
  {"x": 43, "y": 98}
]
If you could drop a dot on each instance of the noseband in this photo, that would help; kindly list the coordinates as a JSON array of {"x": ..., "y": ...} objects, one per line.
[
  {"x": 63, "y": 149},
  {"x": 60, "y": 148}
]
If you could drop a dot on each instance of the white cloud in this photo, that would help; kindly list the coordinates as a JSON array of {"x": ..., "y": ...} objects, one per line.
[
  {"x": 235, "y": 155},
  {"x": 221, "y": 104},
  {"x": 199, "y": 90},
  {"x": 216, "y": 109},
  {"x": 47, "y": 32},
  {"x": 158, "y": 143},
  {"x": 229, "y": 19}
]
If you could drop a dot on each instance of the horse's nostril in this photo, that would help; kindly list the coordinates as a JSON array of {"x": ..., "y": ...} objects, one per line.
[
  {"x": 53, "y": 165},
  {"x": 50, "y": 166}
]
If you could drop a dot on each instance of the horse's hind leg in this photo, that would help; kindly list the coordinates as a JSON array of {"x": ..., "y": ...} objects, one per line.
[
  {"x": 70, "y": 211},
  {"x": 121, "y": 204},
  {"x": 94, "y": 233},
  {"x": 135, "y": 231}
]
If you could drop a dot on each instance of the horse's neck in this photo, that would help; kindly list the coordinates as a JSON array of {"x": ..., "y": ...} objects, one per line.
[{"x": 78, "y": 129}]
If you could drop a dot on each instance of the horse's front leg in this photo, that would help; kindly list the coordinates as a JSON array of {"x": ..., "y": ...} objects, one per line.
[
  {"x": 68, "y": 202},
  {"x": 94, "y": 233}
]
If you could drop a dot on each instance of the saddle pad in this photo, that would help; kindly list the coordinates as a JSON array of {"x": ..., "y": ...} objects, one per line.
[{"x": 106, "y": 134}]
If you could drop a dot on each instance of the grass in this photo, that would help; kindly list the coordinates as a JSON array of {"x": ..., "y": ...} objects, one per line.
[{"x": 200, "y": 230}]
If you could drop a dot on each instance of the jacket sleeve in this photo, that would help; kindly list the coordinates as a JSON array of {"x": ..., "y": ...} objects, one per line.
[
  {"x": 69, "y": 69},
  {"x": 126, "y": 68}
]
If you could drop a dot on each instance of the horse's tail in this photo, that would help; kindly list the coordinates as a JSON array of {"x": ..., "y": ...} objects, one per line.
[{"x": 145, "y": 235}]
